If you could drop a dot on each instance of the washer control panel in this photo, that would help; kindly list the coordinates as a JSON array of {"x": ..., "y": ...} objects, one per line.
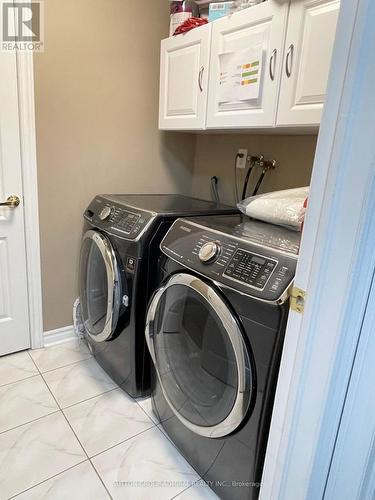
[
  {"x": 118, "y": 219},
  {"x": 239, "y": 263},
  {"x": 250, "y": 268}
]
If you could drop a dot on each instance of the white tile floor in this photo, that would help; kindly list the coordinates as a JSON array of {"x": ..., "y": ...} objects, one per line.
[{"x": 67, "y": 431}]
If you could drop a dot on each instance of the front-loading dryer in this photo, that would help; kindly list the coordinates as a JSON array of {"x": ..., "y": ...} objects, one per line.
[
  {"x": 118, "y": 262},
  {"x": 215, "y": 329}
]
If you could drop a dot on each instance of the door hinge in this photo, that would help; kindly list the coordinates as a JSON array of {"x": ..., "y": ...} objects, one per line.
[{"x": 297, "y": 300}]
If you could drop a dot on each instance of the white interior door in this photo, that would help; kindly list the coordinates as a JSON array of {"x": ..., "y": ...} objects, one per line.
[
  {"x": 309, "y": 45},
  {"x": 335, "y": 268},
  {"x": 14, "y": 316},
  {"x": 352, "y": 469},
  {"x": 184, "y": 65},
  {"x": 261, "y": 31}
]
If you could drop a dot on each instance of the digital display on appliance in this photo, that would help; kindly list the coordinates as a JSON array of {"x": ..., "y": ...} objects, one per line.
[
  {"x": 250, "y": 269},
  {"x": 258, "y": 260},
  {"x": 128, "y": 222}
]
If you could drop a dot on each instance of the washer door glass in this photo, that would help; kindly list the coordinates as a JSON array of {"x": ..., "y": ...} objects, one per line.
[
  {"x": 99, "y": 281},
  {"x": 200, "y": 356}
]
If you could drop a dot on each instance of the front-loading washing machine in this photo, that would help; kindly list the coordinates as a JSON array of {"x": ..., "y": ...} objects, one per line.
[
  {"x": 119, "y": 253},
  {"x": 215, "y": 330}
]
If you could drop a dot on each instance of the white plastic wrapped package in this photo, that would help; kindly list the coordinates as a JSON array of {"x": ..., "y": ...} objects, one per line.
[
  {"x": 79, "y": 328},
  {"x": 285, "y": 208}
]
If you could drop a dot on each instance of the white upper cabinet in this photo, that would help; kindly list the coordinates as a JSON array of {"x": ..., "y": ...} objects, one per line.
[
  {"x": 308, "y": 49},
  {"x": 260, "y": 29},
  {"x": 184, "y": 79},
  {"x": 264, "y": 67}
]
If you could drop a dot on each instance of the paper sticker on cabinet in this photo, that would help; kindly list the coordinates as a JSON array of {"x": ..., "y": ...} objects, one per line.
[
  {"x": 226, "y": 90},
  {"x": 240, "y": 74}
]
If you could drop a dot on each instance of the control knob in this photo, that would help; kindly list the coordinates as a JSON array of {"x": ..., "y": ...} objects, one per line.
[
  {"x": 209, "y": 252},
  {"x": 105, "y": 213}
]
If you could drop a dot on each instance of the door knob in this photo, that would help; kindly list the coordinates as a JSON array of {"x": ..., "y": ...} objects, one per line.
[{"x": 11, "y": 202}]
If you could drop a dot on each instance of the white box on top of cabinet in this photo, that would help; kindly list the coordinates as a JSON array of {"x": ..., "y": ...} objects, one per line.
[{"x": 294, "y": 42}]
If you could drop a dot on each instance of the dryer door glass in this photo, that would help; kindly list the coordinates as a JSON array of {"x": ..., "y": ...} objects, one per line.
[
  {"x": 99, "y": 282},
  {"x": 201, "y": 359}
]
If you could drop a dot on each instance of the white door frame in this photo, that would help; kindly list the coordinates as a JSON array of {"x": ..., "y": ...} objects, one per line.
[
  {"x": 336, "y": 268},
  {"x": 352, "y": 473},
  {"x": 25, "y": 77}
]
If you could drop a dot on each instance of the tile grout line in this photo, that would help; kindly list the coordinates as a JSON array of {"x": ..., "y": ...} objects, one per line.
[
  {"x": 45, "y": 480},
  {"x": 20, "y": 380},
  {"x": 106, "y": 392},
  {"x": 121, "y": 442},
  {"x": 200, "y": 478},
  {"x": 145, "y": 412},
  {"x": 70, "y": 364},
  {"x": 63, "y": 408},
  {"x": 188, "y": 488},
  {"x": 88, "y": 399},
  {"x": 153, "y": 426},
  {"x": 62, "y": 366},
  {"x": 31, "y": 421},
  {"x": 101, "y": 480},
  {"x": 88, "y": 458},
  {"x": 158, "y": 425}
]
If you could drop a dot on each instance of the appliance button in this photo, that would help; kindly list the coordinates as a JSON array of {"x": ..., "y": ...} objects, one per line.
[
  {"x": 209, "y": 252},
  {"x": 130, "y": 264}
]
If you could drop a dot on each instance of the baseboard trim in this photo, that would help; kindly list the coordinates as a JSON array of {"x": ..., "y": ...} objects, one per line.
[{"x": 58, "y": 336}]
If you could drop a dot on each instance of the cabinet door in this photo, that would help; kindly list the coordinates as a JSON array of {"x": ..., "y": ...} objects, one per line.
[
  {"x": 261, "y": 29},
  {"x": 183, "y": 80},
  {"x": 309, "y": 44}
]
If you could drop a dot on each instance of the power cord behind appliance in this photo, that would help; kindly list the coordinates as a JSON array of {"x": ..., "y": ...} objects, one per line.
[{"x": 214, "y": 189}]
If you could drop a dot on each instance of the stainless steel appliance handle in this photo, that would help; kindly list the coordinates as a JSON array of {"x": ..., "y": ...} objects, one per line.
[
  {"x": 149, "y": 329},
  {"x": 289, "y": 60},
  {"x": 272, "y": 65},
  {"x": 244, "y": 371}
]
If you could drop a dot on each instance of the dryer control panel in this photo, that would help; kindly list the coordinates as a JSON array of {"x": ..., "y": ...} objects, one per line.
[
  {"x": 262, "y": 272},
  {"x": 118, "y": 219}
]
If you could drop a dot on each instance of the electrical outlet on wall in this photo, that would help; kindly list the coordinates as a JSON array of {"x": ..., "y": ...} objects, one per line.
[{"x": 241, "y": 158}]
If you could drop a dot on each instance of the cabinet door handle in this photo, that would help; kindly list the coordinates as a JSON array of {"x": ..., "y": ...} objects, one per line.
[
  {"x": 272, "y": 65},
  {"x": 289, "y": 60},
  {"x": 200, "y": 77}
]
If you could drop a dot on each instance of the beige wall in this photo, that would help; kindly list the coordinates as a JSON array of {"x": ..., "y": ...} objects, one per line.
[
  {"x": 96, "y": 89},
  {"x": 215, "y": 156}
]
